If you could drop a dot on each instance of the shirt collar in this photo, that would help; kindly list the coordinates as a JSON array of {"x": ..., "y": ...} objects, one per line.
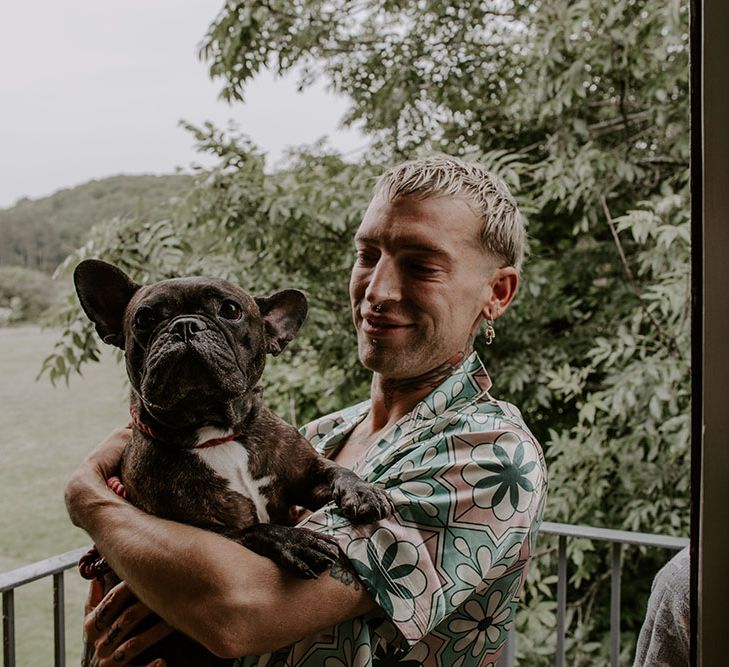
[{"x": 465, "y": 385}]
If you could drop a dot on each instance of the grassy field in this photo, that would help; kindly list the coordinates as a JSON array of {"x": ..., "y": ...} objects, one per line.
[{"x": 45, "y": 431}]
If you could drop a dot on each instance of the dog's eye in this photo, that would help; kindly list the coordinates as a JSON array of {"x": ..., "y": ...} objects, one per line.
[
  {"x": 230, "y": 310},
  {"x": 145, "y": 317}
]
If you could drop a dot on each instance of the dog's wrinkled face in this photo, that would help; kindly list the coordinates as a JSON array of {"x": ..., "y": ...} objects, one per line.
[
  {"x": 192, "y": 340},
  {"x": 192, "y": 345}
]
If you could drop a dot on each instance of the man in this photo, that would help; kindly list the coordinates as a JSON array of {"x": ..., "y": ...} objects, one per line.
[{"x": 438, "y": 251}]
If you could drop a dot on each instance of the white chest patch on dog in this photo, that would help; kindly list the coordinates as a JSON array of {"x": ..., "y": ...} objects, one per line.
[{"x": 230, "y": 461}]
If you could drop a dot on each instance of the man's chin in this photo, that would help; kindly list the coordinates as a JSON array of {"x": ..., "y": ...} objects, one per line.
[
  {"x": 386, "y": 360},
  {"x": 401, "y": 362}
]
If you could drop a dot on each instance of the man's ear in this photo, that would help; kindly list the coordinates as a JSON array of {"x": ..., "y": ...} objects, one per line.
[
  {"x": 283, "y": 314},
  {"x": 502, "y": 290},
  {"x": 104, "y": 292}
]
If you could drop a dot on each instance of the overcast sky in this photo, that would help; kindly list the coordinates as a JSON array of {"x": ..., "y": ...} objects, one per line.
[{"x": 93, "y": 88}]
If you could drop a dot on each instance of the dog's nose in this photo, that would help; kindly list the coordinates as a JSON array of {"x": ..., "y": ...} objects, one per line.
[{"x": 187, "y": 327}]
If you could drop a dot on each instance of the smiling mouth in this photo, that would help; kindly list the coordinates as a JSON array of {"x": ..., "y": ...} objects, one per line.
[{"x": 373, "y": 327}]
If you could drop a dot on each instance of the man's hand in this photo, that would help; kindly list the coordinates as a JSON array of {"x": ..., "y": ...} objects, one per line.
[
  {"x": 88, "y": 482},
  {"x": 109, "y": 622}
]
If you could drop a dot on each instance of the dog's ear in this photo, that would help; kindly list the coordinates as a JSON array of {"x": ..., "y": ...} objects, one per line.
[
  {"x": 104, "y": 292},
  {"x": 283, "y": 314}
]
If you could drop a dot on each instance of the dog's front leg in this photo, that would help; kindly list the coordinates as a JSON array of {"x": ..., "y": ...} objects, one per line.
[
  {"x": 300, "y": 550},
  {"x": 360, "y": 501}
]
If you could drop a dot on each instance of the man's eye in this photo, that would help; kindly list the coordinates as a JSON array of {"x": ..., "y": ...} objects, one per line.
[
  {"x": 421, "y": 269},
  {"x": 230, "y": 310},
  {"x": 145, "y": 317},
  {"x": 366, "y": 258}
]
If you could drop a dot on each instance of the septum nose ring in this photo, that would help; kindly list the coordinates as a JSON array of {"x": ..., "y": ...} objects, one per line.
[{"x": 377, "y": 308}]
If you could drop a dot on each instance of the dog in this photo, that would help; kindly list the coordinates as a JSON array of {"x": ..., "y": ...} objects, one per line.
[{"x": 205, "y": 450}]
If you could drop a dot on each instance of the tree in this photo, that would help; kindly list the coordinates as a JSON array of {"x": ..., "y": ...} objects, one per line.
[
  {"x": 39, "y": 234},
  {"x": 582, "y": 107}
]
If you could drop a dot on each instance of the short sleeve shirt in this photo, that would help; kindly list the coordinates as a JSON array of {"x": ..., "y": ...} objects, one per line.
[{"x": 468, "y": 483}]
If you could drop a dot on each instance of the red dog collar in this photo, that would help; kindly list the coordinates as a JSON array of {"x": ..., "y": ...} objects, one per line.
[{"x": 203, "y": 445}]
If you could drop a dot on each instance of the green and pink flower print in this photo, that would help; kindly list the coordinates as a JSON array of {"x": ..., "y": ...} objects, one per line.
[{"x": 468, "y": 483}]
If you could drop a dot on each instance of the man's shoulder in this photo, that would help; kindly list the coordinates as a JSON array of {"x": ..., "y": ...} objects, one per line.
[
  {"x": 482, "y": 417},
  {"x": 504, "y": 415},
  {"x": 464, "y": 404},
  {"x": 674, "y": 576}
]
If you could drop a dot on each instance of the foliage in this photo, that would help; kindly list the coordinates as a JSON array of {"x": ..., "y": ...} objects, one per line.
[
  {"x": 24, "y": 294},
  {"x": 582, "y": 106},
  {"x": 234, "y": 221},
  {"x": 39, "y": 233}
]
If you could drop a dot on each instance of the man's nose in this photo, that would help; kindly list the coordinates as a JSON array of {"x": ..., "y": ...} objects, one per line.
[
  {"x": 385, "y": 283},
  {"x": 187, "y": 327}
]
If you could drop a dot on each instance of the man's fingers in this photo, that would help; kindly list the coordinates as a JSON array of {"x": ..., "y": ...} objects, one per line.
[
  {"x": 107, "y": 454},
  {"x": 120, "y": 629},
  {"x": 96, "y": 594},
  {"x": 110, "y": 627},
  {"x": 88, "y": 482},
  {"x": 132, "y": 647},
  {"x": 105, "y": 613}
]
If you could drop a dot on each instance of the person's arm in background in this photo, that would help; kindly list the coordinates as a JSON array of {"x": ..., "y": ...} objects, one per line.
[
  {"x": 221, "y": 594},
  {"x": 664, "y": 637}
]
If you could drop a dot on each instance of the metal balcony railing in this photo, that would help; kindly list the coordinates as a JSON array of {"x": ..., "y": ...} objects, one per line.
[
  {"x": 9, "y": 581},
  {"x": 56, "y": 566},
  {"x": 618, "y": 539}
]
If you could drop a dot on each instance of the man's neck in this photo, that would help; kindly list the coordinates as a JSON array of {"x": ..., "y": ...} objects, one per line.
[{"x": 392, "y": 398}]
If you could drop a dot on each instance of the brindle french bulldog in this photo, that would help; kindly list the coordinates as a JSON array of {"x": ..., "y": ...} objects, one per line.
[{"x": 205, "y": 450}]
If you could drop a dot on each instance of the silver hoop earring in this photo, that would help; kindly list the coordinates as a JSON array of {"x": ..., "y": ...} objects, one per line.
[{"x": 489, "y": 334}]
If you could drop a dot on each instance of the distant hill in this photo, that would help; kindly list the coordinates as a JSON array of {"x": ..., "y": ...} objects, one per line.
[{"x": 39, "y": 233}]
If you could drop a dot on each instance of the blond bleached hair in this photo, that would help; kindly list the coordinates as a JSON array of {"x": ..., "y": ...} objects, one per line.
[{"x": 502, "y": 227}]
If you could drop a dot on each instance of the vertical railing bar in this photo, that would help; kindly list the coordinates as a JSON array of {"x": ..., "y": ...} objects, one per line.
[
  {"x": 511, "y": 645},
  {"x": 615, "y": 605},
  {"x": 59, "y": 621},
  {"x": 9, "y": 628},
  {"x": 561, "y": 599}
]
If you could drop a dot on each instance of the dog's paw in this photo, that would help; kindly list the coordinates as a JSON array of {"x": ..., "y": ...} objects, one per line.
[
  {"x": 360, "y": 501},
  {"x": 300, "y": 550}
]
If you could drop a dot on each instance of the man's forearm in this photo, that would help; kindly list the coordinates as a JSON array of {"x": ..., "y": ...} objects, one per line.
[
  {"x": 225, "y": 596},
  {"x": 190, "y": 577},
  {"x": 175, "y": 569}
]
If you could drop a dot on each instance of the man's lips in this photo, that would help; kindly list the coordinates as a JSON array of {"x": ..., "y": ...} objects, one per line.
[{"x": 382, "y": 326}]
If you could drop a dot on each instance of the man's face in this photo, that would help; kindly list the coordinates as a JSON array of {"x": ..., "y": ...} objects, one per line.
[{"x": 420, "y": 261}]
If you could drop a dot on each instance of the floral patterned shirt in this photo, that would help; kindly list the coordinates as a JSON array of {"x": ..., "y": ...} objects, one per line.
[{"x": 468, "y": 482}]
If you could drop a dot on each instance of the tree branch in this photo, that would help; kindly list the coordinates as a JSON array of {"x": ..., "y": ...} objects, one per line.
[
  {"x": 668, "y": 340},
  {"x": 624, "y": 119}
]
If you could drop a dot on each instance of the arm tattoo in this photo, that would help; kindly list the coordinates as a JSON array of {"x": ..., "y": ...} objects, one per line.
[{"x": 342, "y": 571}]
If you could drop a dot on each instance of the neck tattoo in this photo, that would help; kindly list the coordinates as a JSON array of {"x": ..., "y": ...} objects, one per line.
[{"x": 393, "y": 388}]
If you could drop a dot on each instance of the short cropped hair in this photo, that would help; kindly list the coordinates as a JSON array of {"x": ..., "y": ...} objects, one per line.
[{"x": 502, "y": 227}]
